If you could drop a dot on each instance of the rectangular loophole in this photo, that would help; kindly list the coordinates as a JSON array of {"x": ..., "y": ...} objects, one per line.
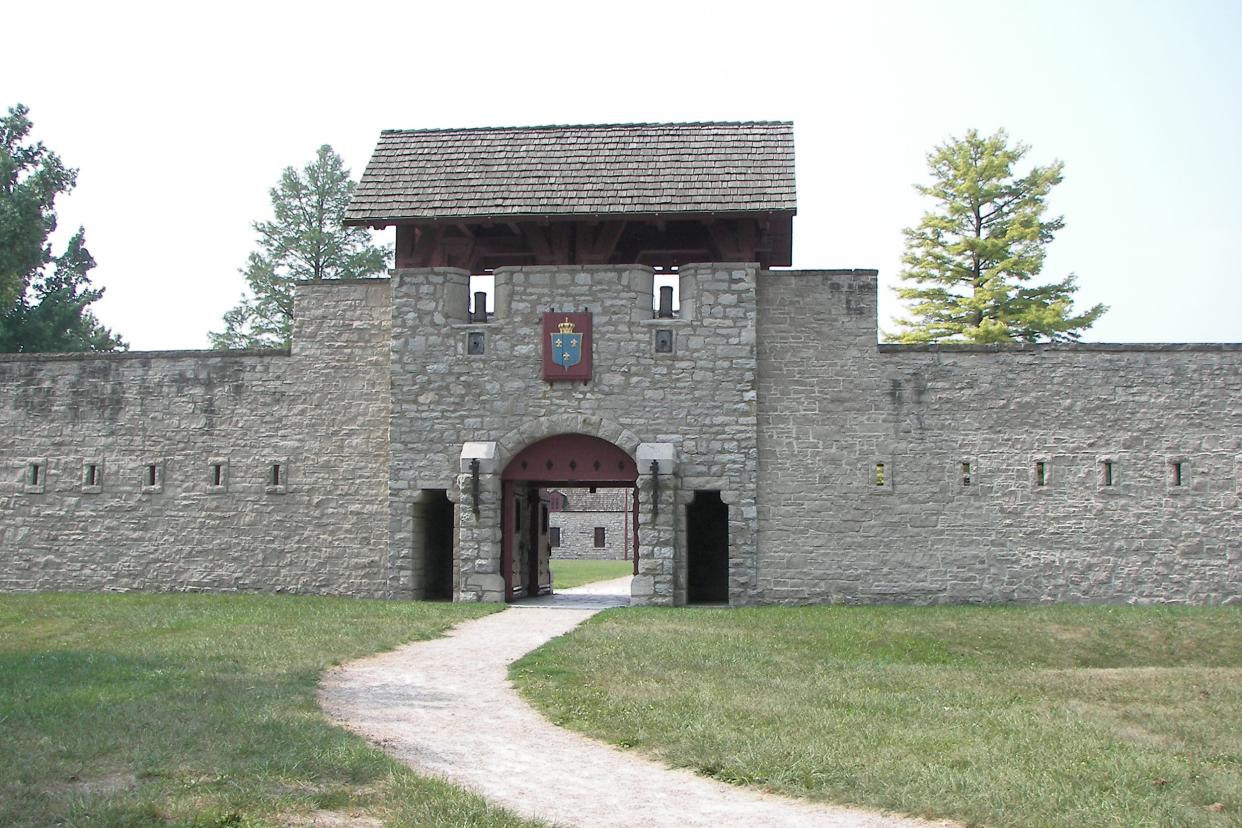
[
  {"x": 965, "y": 473},
  {"x": 879, "y": 475},
  {"x": 1108, "y": 476},
  {"x": 1177, "y": 473},
  {"x": 1041, "y": 473},
  {"x": 277, "y": 476},
  {"x": 217, "y": 475},
  {"x": 601, "y": 537},
  {"x": 92, "y": 476},
  {"x": 34, "y": 477},
  {"x": 153, "y": 476}
]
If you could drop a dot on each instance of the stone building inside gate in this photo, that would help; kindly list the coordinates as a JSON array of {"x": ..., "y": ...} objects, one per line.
[{"x": 775, "y": 452}]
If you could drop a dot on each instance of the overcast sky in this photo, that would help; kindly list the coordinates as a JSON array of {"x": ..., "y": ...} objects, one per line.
[{"x": 180, "y": 118}]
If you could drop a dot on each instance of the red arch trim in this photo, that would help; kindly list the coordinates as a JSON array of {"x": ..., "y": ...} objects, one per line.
[{"x": 572, "y": 458}]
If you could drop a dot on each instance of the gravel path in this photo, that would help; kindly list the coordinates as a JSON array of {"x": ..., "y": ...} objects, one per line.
[{"x": 446, "y": 708}]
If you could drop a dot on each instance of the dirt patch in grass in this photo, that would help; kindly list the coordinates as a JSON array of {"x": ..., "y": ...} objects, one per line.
[
  {"x": 330, "y": 819},
  {"x": 109, "y": 783},
  {"x": 1062, "y": 632}
]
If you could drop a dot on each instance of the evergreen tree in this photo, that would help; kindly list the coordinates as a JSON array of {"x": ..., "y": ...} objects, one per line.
[
  {"x": 970, "y": 261},
  {"x": 306, "y": 239},
  {"x": 44, "y": 299}
]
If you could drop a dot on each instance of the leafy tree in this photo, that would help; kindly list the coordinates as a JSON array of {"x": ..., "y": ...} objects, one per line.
[
  {"x": 306, "y": 239},
  {"x": 970, "y": 261},
  {"x": 44, "y": 299}
]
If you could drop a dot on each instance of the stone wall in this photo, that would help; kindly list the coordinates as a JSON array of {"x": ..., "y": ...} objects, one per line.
[
  {"x": 833, "y": 405},
  {"x": 700, "y": 399},
  {"x": 606, "y": 509},
  {"x": 852, "y": 472},
  {"x": 321, "y": 413}
]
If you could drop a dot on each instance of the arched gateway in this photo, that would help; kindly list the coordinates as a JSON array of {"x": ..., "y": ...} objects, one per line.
[{"x": 561, "y": 461}]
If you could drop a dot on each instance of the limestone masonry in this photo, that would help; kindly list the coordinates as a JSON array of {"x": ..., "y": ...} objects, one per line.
[
  {"x": 591, "y": 525},
  {"x": 406, "y": 445}
]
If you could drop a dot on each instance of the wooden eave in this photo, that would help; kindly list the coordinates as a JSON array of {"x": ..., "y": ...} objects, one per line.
[
  {"x": 547, "y": 218},
  {"x": 661, "y": 240}
]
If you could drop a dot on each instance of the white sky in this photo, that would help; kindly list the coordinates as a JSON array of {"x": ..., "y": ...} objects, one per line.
[{"x": 180, "y": 118}]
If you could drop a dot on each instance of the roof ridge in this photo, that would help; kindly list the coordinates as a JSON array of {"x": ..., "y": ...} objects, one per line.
[{"x": 646, "y": 124}]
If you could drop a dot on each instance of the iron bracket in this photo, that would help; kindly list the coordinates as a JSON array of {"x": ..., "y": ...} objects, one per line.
[
  {"x": 655, "y": 488},
  {"x": 474, "y": 484}
]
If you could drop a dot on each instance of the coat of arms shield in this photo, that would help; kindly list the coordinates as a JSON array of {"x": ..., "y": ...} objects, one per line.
[{"x": 566, "y": 345}]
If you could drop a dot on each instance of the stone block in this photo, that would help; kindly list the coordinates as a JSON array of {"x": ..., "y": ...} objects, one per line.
[{"x": 484, "y": 452}]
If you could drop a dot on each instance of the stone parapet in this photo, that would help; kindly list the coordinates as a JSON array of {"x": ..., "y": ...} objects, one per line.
[
  {"x": 964, "y": 473},
  {"x": 215, "y": 470}
]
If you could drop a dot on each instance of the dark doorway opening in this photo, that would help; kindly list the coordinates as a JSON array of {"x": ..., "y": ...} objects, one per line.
[
  {"x": 707, "y": 552},
  {"x": 433, "y": 544}
]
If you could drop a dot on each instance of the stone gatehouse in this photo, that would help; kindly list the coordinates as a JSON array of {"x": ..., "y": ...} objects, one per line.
[{"x": 405, "y": 445}]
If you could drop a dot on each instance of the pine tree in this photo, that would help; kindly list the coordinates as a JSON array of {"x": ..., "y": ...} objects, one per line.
[
  {"x": 44, "y": 299},
  {"x": 306, "y": 239},
  {"x": 970, "y": 262}
]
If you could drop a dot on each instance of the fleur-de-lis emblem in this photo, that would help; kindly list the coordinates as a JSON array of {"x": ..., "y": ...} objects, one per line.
[{"x": 566, "y": 345}]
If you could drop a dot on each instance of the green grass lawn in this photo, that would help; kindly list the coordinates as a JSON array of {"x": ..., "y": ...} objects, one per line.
[
  {"x": 1001, "y": 716},
  {"x": 566, "y": 574},
  {"x": 199, "y": 710}
]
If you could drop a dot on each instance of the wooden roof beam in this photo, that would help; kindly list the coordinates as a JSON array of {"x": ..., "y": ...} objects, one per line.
[{"x": 538, "y": 241}]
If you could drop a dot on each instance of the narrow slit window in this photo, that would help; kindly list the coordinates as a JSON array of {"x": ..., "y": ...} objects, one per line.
[
  {"x": 965, "y": 474},
  {"x": 1107, "y": 473},
  {"x": 1041, "y": 473},
  {"x": 276, "y": 476},
  {"x": 151, "y": 475},
  {"x": 879, "y": 474},
  {"x": 601, "y": 537},
  {"x": 34, "y": 475},
  {"x": 1178, "y": 470},
  {"x": 217, "y": 474},
  {"x": 90, "y": 475}
]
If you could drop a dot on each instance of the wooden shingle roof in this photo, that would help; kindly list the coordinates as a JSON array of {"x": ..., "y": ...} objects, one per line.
[{"x": 577, "y": 171}]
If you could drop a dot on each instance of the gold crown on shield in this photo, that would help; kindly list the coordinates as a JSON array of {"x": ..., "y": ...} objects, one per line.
[{"x": 566, "y": 327}]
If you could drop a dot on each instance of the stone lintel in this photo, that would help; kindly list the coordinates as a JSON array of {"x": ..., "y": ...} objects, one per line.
[
  {"x": 485, "y": 453},
  {"x": 665, "y": 453}
]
